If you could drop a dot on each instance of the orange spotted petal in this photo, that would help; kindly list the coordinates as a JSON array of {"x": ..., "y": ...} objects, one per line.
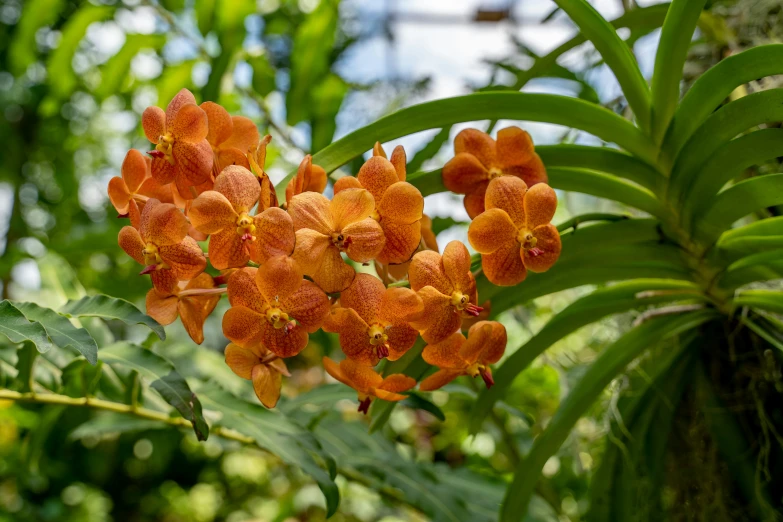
[
  {"x": 162, "y": 309},
  {"x": 364, "y": 378},
  {"x": 190, "y": 125},
  {"x": 153, "y": 121},
  {"x": 308, "y": 305},
  {"x": 333, "y": 369},
  {"x": 446, "y": 353},
  {"x": 388, "y": 396},
  {"x": 399, "y": 159},
  {"x": 182, "y": 98},
  {"x": 480, "y": 338},
  {"x": 162, "y": 171},
  {"x": 540, "y": 205},
  {"x": 193, "y": 160},
  {"x": 430, "y": 240},
  {"x": 439, "y": 318},
  {"x": 439, "y": 379},
  {"x": 548, "y": 245},
  {"x": 397, "y": 382},
  {"x": 130, "y": 241},
  {"x": 377, "y": 150},
  {"x": 185, "y": 258},
  {"x": 164, "y": 281},
  {"x": 193, "y": 311},
  {"x": 474, "y": 202},
  {"x": 153, "y": 189},
  {"x": 241, "y": 360},
  {"x": 401, "y": 203},
  {"x": 284, "y": 342},
  {"x": 242, "y": 290},
  {"x": 211, "y": 212},
  {"x": 134, "y": 213},
  {"x": 240, "y": 187},
  {"x": 353, "y": 335},
  {"x": 398, "y": 306},
  {"x": 350, "y": 206},
  {"x": 334, "y": 274},
  {"x": 311, "y": 210},
  {"x": 220, "y": 124},
  {"x": 365, "y": 295},
  {"x": 318, "y": 179},
  {"x": 163, "y": 223},
  {"x": 274, "y": 235},
  {"x": 516, "y": 156},
  {"x": 507, "y": 193},
  {"x": 366, "y": 239},
  {"x": 346, "y": 182},
  {"x": 134, "y": 170},
  {"x": 243, "y": 325},
  {"x": 266, "y": 384},
  {"x": 278, "y": 278},
  {"x": 231, "y": 156},
  {"x": 227, "y": 249},
  {"x": 504, "y": 266},
  {"x": 456, "y": 265},
  {"x": 427, "y": 270},
  {"x": 310, "y": 249},
  {"x": 119, "y": 195},
  {"x": 477, "y": 143},
  {"x": 401, "y": 241},
  {"x": 496, "y": 345},
  {"x": 492, "y": 230},
  {"x": 376, "y": 175},
  {"x": 464, "y": 174},
  {"x": 245, "y": 134},
  {"x": 401, "y": 339}
]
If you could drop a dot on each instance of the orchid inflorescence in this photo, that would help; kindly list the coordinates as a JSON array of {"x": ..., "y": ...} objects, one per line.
[{"x": 287, "y": 268}]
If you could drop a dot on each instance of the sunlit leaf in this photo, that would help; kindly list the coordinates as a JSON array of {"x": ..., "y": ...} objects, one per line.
[{"x": 107, "y": 307}]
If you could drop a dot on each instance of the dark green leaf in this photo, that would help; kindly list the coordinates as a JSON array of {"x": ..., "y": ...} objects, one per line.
[
  {"x": 429, "y": 150},
  {"x": 61, "y": 331},
  {"x": 18, "y": 329},
  {"x": 107, "y": 307},
  {"x": 771, "y": 300},
  {"x": 263, "y": 75},
  {"x": 439, "y": 224},
  {"x": 418, "y": 402},
  {"x": 163, "y": 378},
  {"x": 80, "y": 379}
]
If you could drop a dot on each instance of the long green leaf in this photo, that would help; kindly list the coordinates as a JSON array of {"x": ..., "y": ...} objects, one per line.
[
  {"x": 764, "y": 269},
  {"x": 765, "y": 228},
  {"x": 560, "y": 110},
  {"x": 720, "y": 128},
  {"x": 107, "y": 307},
  {"x": 429, "y": 150},
  {"x": 714, "y": 86},
  {"x": 163, "y": 378},
  {"x": 18, "y": 329},
  {"x": 615, "y": 53},
  {"x": 606, "y": 367},
  {"x": 115, "y": 71},
  {"x": 770, "y": 300},
  {"x": 604, "y": 186},
  {"x": 61, "y": 331},
  {"x": 601, "y": 303},
  {"x": 22, "y": 47},
  {"x": 738, "y": 201},
  {"x": 669, "y": 61}
]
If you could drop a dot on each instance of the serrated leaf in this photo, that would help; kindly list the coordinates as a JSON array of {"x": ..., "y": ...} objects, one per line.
[
  {"x": 61, "y": 331},
  {"x": 107, "y": 307},
  {"x": 163, "y": 378},
  {"x": 18, "y": 329}
]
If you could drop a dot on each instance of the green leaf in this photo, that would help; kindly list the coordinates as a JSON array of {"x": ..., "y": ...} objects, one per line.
[
  {"x": 770, "y": 300},
  {"x": 163, "y": 378},
  {"x": 615, "y": 53},
  {"x": 410, "y": 364},
  {"x": 419, "y": 402},
  {"x": 106, "y": 424},
  {"x": 80, "y": 379},
  {"x": 275, "y": 433},
  {"x": 429, "y": 150},
  {"x": 115, "y": 71},
  {"x": 604, "y": 186},
  {"x": 576, "y": 221},
  {"x": 728, "y": 163},
  {"x": 61, "y": 75},
  {"x": 313, "y": 44},
  {"x": 720, "y": 128},
  {"x": 428, "y": 182},
  {"x": 764, "y": 269},
  {"x": 326, "y": 98},
  {"x": 669, "y": 61},
  {"x": 714, "y": 86},
  {"x": 599, "y": 374},
  {"x": 439, "y": 224},
  {"x": 603, "y": 302},
  {"x": 35, "y": 15},
  {"x": 174, "y": 78},
  {"x": 18, "y": 329},
  {"x": 263, "y": 74},
  {"x": 738, "y": 201},
  {"x": 205, "y": 15},
  {"x": 764, "y": 234},
  {"x": 107, "y": 307},
  {"x": 549, "y": 108},
  {"x": 602, "y": 159},
  {"x": 61, "y": 331}
]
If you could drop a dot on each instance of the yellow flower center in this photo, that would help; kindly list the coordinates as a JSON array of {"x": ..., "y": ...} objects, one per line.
[
  {"x": 165, "y": 144},
  {"x": 459, "y": 300},
  {"x": 377, "y": 335},
  {"x": 245, "y": 227},
  {"x": 151, "y": 255},
  {"x": 529, "y": 242},
  {"x": 341, "y": 241},
  {"x": 277, "y": 317},
  {"x": 495, "y": 172}
]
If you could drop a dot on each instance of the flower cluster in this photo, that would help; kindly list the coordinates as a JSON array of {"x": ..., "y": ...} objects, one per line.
[{"x": 290, "y": 269}]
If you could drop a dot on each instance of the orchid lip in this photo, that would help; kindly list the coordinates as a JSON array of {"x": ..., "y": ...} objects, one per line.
[
  {"x": 148, "y": 269},
  {"x": 156, "y": 154},
  {"x": 487, "y": 377},
  {"x": 364, "y": 405},
  {"x": 473, "y": 310},
  {"x": 535, "y": 252}
]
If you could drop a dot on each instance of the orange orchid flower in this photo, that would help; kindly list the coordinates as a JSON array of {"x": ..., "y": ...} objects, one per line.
[
  {"x": 325, "y": 229},
  {"x": 447, "y": 289},
  {"x": 255, "y": 363},
  {"x": 187, "y": 303},
  {"x": 236, "y": 236},
  {"x": 457, "y": 355},
  {"x": 231, "y": 137},
  {"x": 163, "y": 246},
  {"x": 129, "y": 192},
  {"x": 367, "y": 382},
  {"x": 257, "y": 158},
  {"x": 308, "y": 178},
  {"x": 428, "y": 242},
  {"x": 398, "y": 204},
  {"x": 182, "y": 154},
  {"x": 273, "y": 305},
  {"x": 373, "y": 321},
  {"x": 514, "y": 234},
  {"x": 479, "y": 159}
]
